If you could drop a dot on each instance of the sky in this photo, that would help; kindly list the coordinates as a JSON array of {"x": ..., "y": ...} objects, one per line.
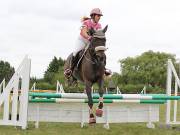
[{"x": 43, "y": 29}]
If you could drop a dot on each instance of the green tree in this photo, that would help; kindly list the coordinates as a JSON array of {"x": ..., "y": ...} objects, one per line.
[
  {"x": 52, "y": 73},
  {"x": 148, "y": 68},
  {"x": 6, "y": 71}
]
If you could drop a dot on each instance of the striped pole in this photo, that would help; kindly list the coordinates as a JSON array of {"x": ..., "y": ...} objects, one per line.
[
  {"x": 41, "y": 100},
  {"x": 106, "y": 96}
]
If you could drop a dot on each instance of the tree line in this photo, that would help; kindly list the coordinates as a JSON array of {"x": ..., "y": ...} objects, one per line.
[{"x": 148, "y": 69}]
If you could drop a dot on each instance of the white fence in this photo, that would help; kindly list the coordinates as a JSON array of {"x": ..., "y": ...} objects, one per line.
[
  {"x": 15, "y": 113},
  {"x": 2, "y": 86},
  {"x": 170, "y": 73},
  {"x": 18, "y": 86},
  {"x": 79, "y": 112}
]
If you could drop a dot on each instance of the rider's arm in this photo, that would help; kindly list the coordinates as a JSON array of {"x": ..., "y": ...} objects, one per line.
[{"x": 84, "y": 33}]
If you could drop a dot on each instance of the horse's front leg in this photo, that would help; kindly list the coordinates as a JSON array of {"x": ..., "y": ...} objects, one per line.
[
  {"x": 99, "y": 111},
  {"x": 90, "y": 102}
]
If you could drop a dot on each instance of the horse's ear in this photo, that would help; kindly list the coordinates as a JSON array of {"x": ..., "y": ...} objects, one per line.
[{"x": 105, "y": 29}]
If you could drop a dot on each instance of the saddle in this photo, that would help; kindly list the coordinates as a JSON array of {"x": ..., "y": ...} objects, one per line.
[
  {"x": 78, "y": 59},
  {"x": 76, "y": 64}
]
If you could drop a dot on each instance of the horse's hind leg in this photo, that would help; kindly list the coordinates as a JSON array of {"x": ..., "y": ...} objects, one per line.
[
  {"x": 90, "y": 103},
  {"x": 99, "y": 111}
]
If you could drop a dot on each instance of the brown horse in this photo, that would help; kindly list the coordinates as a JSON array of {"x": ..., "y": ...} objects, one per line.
[{"x": 91, "y": 69}]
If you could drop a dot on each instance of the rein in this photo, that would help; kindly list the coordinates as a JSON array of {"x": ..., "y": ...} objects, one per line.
[{"x": 94, "y": 60}]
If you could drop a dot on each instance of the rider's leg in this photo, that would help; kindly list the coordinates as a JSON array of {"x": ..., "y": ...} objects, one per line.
[
  {"x": 108, "y": 72},
  {"x": 80, "y": 44}
]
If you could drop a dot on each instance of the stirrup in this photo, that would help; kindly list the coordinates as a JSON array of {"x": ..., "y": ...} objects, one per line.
[{"x": 68, "y": 73}]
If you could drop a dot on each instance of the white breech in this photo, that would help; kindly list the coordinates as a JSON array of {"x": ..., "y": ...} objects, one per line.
[{"x": 80, "y": 44}]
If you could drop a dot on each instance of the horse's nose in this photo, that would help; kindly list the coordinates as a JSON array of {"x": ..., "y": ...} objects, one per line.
[{"x": 102, "y": 59}]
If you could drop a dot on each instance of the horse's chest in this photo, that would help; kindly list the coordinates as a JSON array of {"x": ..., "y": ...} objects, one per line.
[
  {"x": 92, "y": 72},
  {"x": 96, "y": 76}
]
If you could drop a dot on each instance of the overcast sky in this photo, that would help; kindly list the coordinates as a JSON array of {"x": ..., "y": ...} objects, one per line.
[{"x": 43, "y": 29}]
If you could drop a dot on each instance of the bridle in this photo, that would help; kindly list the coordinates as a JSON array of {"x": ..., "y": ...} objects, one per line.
[{"x": 93, "y": 51}]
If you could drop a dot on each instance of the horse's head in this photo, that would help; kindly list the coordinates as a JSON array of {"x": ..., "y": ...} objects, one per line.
[{"x": 98, "y": 43}]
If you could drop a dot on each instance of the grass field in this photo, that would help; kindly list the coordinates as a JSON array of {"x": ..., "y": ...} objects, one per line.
[{"x": 74, "y": 129}]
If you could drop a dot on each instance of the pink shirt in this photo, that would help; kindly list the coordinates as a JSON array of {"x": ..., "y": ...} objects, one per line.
[{"x": 90, "y": 24}]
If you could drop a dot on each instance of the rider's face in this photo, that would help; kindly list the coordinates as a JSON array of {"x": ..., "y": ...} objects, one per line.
[{"x": 97, "y": 18}]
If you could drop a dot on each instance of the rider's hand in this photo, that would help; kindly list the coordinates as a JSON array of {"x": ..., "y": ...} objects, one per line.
[{"x": 89, "y": 38}]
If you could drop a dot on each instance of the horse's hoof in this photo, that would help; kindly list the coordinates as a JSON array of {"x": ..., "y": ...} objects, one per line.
[
  {"x": 92, "y": 120},
  {"x": 99, "y": 112}
]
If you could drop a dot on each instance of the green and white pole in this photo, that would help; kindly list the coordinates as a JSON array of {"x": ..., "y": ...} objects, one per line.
[
  {"x": 106, "y": 96},
  {"x": 63, "y": 100}
]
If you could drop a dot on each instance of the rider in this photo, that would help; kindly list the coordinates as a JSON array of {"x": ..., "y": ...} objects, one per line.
[{"x": 84, "y": 37}]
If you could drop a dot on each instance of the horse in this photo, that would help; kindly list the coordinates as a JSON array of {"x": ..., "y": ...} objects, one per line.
[{"x": 91, "y": 70}]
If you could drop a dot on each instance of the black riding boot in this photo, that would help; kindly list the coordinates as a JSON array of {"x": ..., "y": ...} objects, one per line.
[
  {"x": 107, "y": 71},
  {"x": 68, "y": 72}
]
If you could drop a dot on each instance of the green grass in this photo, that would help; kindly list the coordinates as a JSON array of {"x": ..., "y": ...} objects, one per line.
[{"x": 74, "y": 129}]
